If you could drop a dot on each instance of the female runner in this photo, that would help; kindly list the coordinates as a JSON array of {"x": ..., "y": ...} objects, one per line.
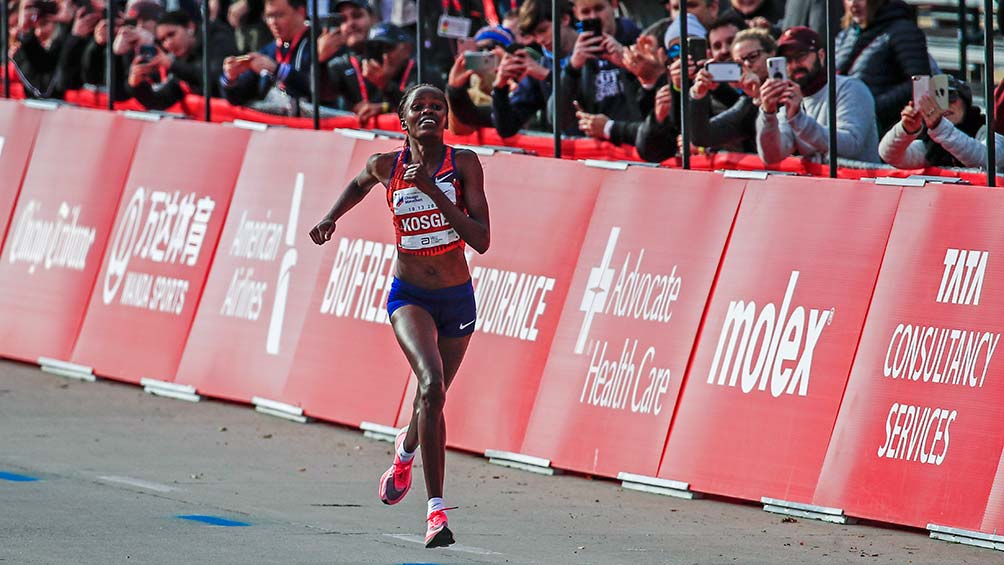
[{"x": 436, "y": 195}]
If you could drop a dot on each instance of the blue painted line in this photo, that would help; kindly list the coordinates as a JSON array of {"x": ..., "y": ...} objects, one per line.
[
  {"x": 213, "y": 520},
  {"x": 15, "y": 478}
]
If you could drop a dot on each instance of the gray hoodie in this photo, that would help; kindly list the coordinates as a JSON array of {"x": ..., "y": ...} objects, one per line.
[
  {"x": 904, "y": 151},
  {"x": 808, "y": 135}
]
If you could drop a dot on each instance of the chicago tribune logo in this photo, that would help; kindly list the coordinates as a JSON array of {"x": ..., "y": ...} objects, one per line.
[
  {"x": 636, "y": 294},
  {"x": 51, "y": 244},
  {"x": 262, "y": 241}
]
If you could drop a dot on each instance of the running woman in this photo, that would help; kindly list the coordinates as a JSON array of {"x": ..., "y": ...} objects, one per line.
[{"x": 436, "y": 195}]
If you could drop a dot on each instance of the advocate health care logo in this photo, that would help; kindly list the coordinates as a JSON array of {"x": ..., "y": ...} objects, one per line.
[{"x": 622, "y": 383}]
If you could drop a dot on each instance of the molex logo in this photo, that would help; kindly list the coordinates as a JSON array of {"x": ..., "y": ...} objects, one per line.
[{"x": 787, "y": 339}]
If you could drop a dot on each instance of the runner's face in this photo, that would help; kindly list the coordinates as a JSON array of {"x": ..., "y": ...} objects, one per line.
[{"x": 425, "y": 114}]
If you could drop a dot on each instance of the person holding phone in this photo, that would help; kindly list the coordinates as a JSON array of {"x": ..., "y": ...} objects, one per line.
[
  {"x": 929, "y": 135},
  {"x": 794, "y": 113},
  {"x": 372, "y": 82},
  {"x": 49, "y": 50},
  {"x": 522, "y": 86},
  {"x": 172, "y": 68},
  {"x": 431, "y": 301},
  {"x": 469, "y": 87},
  {"x": 596, "y": 82}
]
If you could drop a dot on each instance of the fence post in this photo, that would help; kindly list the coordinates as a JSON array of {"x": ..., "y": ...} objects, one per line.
[
  {"x": 315, "y": 66},
  {"x": 961, "y": 35},
  {"x": 556, "y": 76},
  {"x": 419, "y": 41},
  {"x": 3, "y": 47},
  {"x": 207, "y": 85},
  {"x": 109, "y": 53},
  {"x": 988, "y": 80},
  {"x": 684, "y": 85},
  {"x": 831, "y": 84}
]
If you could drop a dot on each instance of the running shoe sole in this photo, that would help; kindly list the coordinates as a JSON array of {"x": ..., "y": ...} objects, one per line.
[{"x": 442, "y": 539}]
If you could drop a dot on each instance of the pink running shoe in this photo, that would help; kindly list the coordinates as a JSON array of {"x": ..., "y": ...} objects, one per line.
[
  {"x": 396, "y": 481},
  {"x": 437, "y": 533}
]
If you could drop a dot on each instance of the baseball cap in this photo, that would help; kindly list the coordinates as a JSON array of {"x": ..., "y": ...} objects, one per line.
[
  {"x": 961, "y": 89},
  {"x": 144, "y": 10},
  {"x": 357, "y": 3},
  {"x": 390, "y": 33},
  {"x": 498, "y": 34},
  {"x": 798, "y": 38}
]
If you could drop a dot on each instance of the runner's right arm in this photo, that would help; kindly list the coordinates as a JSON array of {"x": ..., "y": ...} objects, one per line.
[{"x": 377, "y": 170}]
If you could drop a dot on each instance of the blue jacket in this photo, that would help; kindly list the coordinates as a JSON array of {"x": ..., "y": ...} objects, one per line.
[{"x": 293, "y": 77}]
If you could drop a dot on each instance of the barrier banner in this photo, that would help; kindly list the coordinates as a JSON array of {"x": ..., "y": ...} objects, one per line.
[
  {"x": 265, "y": 267},
  {"x": 627, "y": 330},
  {"x": 59, "y": 229},
  {"x": 348, "y": 367},
  {"x": 779, "y": 336},
  {"x": 540, "y": 211},
  {"x": 169, "y": 220},
  {"x": 18, "y": 126},
  {"x": 920, "y": 432}
]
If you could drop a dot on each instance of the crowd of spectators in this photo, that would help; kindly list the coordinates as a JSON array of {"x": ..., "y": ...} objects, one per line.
[{"x": 756, "y": 68}]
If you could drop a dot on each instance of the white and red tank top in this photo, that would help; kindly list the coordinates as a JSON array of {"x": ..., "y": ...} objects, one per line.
[{"x": 420, "y": 226}]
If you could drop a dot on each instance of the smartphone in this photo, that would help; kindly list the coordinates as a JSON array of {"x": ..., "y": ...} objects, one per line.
[
  {"x": 147, "y": 52},
  {"x": 724, "y": 72},
  {"x": 697, "y": 48},
  {"x": 483, "y": 63},
  {"x": 592, "y": 25},
  {"x": 333, "y": 21},
  {"x": 777, "y": 68},
  {"x": 939, "y": 90},
  {"x": 921, "y": 86},
  {"x": 374, "y": 50}
]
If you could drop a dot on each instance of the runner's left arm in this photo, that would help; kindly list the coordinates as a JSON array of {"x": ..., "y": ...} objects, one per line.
[{"x": 473, "y": 226}]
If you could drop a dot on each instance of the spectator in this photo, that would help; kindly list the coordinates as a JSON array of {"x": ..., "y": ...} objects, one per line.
[
  {"x": 734, "y": 128},
  {"x": 373, "y": 83},
  {"x": 176, "y": 69},
  {"x": 882, "y": 45},
  {"x": 132, "y": 33},
  {"x": 512, "y": 108},
  {"x": 706, "y": 11},
  {"x": 39, "y": 49},
  {"x": 247, "y": 18},
  {"x": 595, "y": 78},
  {"x": 724, "y": 96},
  {"x": 811, "y": 13},
  {"x": 765, "y": 14},
  {"x": 928, "y": 136},
  {"x": 803, "y": 124},
  {"x": 279, "y": 74},
  {"x": 470, "y": 94},
  {"x": 721, "y": 34},
  {"x": 352, "y": 35}
]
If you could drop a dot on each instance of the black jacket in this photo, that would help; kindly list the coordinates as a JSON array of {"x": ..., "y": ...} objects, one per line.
[
  {"x": 885, "y": 55},
  {"x": 41, "y": 70},
  {"x": 342, "y": 88},
  {"x": 603, "y": 88},
  {"x": 185, "y": 75}
]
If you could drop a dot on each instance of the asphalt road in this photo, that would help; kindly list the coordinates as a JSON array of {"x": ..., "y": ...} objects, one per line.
[{"x": 115, "y": 469}]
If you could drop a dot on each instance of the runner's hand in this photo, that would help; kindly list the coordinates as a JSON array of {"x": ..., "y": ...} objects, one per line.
[
  {"x": 415, "y": 174},
  {"x": 322, "y": 231}
]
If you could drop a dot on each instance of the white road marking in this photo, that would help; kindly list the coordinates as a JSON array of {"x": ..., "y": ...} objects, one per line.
[
  {"x": 455, "y": 547},
  {"x": 137, "y": 483}
]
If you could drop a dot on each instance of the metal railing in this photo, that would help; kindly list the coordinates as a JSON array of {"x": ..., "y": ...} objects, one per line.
[{"x": 556, "y": 91}]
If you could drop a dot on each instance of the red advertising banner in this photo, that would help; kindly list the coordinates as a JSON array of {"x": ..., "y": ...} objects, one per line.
[
  {"x": 59, "y": 229},
  {"x": 348, "y": 367},
  {"x": 265, "y": 268},
  {"x": 779, "y": 336},
  {"x": 921, "y": 431},
  {"x": 18, "y": 126},
  {"x": 169, "y": 220},
  {"x": 627, "y": 330},
  {"x": 540, "y": 211}
]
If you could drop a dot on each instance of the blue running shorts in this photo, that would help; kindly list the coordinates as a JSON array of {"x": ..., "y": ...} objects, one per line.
[{"x": 452, "y": 308}]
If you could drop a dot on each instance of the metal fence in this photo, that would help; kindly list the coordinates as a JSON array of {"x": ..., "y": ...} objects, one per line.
[{"x": 424, "y": 12}]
